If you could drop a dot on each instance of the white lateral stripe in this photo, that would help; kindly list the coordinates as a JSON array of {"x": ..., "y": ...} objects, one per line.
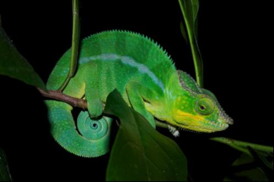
[{"x": 127, "y": 61}]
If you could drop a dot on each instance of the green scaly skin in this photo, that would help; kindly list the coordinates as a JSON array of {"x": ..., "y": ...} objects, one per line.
[{"x": 147, "y": 79}]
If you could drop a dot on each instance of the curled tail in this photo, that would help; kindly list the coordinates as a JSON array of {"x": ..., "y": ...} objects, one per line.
[{"x": 87, "y": 138}]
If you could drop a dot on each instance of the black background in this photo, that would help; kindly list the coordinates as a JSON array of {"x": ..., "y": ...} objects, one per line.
[{"x": 233, "y": 38}]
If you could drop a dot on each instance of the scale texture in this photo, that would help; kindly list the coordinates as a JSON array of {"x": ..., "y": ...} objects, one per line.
[{"x": 148, "y": 81}]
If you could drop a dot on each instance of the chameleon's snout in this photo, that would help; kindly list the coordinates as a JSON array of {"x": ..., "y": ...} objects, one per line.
[
  {"x": 224, "y": 118},
  {"x": 229, "y": 121}
]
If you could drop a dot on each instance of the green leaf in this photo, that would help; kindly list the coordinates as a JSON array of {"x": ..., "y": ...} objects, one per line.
[
  {"x": 189, "y": 9},
  {"x": 139, "y": 152},
  {"x": 14, "y": 65},
  {"x": 255, "y": 163},
  {"x": 244, "y": 169},
  {"x": 4, "y": 171}
]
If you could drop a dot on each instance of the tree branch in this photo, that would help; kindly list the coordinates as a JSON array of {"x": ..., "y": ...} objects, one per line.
[{"x": 57, "y": 95}]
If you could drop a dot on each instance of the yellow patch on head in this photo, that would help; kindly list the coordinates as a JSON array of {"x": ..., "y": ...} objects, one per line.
[
  {"x": 182, "y": 114},
  {"x": 183, "y": 118}
]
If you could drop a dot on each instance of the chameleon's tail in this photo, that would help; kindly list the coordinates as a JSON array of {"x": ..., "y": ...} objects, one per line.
[{"x": 89, "y": 139}]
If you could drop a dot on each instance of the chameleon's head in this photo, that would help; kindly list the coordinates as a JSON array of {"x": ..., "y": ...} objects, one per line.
[
  {"x": 200, "y": 113},
  {"x": 197, "y": 109}
]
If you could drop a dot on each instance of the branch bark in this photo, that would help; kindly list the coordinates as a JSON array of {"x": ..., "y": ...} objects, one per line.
[{"x": 58, "y": 95}]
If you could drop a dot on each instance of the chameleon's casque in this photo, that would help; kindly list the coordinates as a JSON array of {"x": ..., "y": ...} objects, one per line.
[{"x": 147, "y": 79}]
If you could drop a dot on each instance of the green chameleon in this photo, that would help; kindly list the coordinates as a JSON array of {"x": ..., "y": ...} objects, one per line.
[{"x": 148, "y": 81}]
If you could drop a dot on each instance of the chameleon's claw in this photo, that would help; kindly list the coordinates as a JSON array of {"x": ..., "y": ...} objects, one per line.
[{"x": 173, "y": 131}]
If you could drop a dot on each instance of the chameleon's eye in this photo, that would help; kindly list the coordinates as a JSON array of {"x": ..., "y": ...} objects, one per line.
[{"x": 204, "y": 106}]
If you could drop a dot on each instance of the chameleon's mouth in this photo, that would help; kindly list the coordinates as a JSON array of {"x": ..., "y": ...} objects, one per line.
[
  {"x": 206, "y": 126},
  {"x": 210, "y": 126},
  {"x": 201, "y": 124}
]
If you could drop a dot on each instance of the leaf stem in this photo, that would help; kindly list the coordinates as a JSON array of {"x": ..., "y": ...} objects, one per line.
[
  {"x": 198, "y": 64},
  {"x": 242, "y": 146},
  {"x": 74, "y": 43}
]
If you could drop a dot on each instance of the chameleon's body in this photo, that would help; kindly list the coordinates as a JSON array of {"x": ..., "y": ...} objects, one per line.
[{"x": 146, "y": 78}]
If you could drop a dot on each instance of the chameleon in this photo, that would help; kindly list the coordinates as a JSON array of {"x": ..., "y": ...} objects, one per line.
[{"x": 146, "y": 77}]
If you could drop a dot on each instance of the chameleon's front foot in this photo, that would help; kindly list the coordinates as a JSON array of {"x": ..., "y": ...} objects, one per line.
[{"x": 173, "y": 130}]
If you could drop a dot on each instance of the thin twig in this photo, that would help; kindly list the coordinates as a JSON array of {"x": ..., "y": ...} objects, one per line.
[{"x": 57, "y": 95}]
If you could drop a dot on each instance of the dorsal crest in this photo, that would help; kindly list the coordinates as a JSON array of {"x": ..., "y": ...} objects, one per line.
[{"x": 188, "y": 83}]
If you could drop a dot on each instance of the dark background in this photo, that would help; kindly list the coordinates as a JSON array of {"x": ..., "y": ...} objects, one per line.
[{"x": 233, "y": 39}]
